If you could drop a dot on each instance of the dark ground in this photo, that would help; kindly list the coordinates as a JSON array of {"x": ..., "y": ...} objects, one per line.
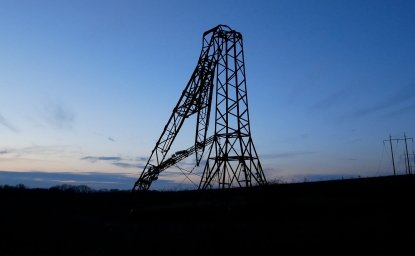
[{"x": 367, "y": 216}]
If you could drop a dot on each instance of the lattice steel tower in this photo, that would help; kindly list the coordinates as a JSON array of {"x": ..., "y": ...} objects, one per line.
[{"x": 232, "y": 159}]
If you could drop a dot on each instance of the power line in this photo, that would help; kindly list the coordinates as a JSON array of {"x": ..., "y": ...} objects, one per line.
[{"x": 408, "y": 168}]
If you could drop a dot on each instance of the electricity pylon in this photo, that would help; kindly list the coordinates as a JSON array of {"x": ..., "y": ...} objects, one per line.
[{"x": 232, "y": 159}]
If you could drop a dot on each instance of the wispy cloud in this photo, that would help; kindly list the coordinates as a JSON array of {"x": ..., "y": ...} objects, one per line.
[
  {"x": 7, "y": 124},
  {"x": 111, "y": 139},
  {"x": 116, "y": 161},
  {"x": 330, "y": 100},
  {"x": 293, "y": 139},
  {"x": 402, "y": 95},
  {"x": 101, "y": 158},
  {"x": 59, "y": 116},
  {"x": 401, "y": 111},
  {"x": 95, "y": 180},
  {"x": 142, "y": 158},
  {"x": 289, "y": 154},
  {"x": 48, "y": 179},
  {"x": 128, "y": 165},
  {"x": 50, "y": 150}
]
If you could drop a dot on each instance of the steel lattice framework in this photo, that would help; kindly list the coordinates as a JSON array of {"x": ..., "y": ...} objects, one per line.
[{"x": 232, "y": 158}]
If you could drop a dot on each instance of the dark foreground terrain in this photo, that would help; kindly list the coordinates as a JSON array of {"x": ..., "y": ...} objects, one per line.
[{"x": 367, "y": 216}]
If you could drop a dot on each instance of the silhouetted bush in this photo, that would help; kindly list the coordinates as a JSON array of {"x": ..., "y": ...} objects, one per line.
[
  {"x": 72, "y": 188},
  {"x": 17, "y": 187}
]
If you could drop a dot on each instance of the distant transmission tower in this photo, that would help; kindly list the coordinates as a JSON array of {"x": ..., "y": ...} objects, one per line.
[
  {"x": 232, "y": 160},
  {"x": 408, "y": 167}
]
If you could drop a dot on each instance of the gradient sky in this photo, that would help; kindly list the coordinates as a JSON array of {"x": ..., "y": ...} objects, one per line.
[{"x": 87, "y": 86}]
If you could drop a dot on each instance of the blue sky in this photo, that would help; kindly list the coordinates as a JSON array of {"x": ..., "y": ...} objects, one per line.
[{"x": 87, "y": 86}]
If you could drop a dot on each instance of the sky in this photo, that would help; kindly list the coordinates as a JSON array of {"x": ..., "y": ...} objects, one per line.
[{"x": 86, "y": 87}]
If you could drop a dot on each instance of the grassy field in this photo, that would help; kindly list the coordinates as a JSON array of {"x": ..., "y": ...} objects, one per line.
[{"x": 370, "y": 216}]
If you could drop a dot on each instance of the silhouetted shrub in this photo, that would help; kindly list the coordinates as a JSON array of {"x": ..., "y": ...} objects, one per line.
[
  {"x": 72, "y": 188},
  {"x": 17, "y": 187}
]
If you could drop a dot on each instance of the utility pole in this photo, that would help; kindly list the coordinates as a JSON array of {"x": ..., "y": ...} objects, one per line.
[
  {"x": 412, "y": 156},
  {"x": 407, "y": 163},
  {"x": 413, "y": 160},
  {"x": 408, "y": 166},
  {"x": 393, "y": 159}
]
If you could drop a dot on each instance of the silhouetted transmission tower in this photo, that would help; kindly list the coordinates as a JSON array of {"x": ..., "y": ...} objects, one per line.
[{"x": 232, "y": 160}]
